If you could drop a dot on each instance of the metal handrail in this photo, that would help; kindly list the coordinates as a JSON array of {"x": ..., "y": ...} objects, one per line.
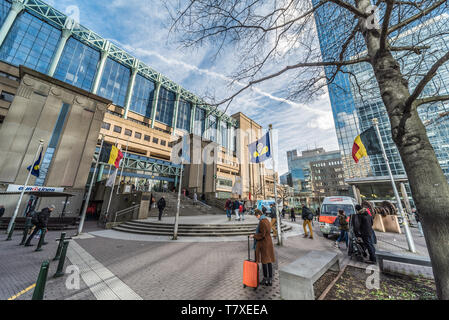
[{"x": 125, "y": 211}]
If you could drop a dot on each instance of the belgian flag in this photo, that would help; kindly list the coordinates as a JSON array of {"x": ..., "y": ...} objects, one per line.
[
  {"x": 366, "y": 144},
  {"x": 110, "y": 154}
]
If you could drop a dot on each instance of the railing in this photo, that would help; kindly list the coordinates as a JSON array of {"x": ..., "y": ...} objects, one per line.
[{"x": 125, "y": 211}]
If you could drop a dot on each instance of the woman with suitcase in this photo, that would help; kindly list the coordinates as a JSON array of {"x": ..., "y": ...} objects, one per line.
[{"x": 264, "y": 248}]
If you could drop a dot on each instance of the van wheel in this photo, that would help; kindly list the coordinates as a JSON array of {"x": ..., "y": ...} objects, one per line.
[{"x": 326, "y": 235}]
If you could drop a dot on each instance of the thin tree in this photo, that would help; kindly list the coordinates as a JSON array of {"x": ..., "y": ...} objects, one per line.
[{"x": 278, "y": 38}]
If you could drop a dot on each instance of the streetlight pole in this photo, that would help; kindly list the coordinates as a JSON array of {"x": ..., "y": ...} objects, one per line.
[
  {"x": 278, "y": 222},
  {"x": 408, "y": 235}
]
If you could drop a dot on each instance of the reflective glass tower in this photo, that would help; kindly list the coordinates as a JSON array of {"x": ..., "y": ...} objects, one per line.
[{"x": 353, "y": 110}]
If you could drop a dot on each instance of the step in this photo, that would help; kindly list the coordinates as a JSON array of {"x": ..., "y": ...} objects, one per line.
[
  {"x": 180, "y": 233},
  {"x": 193, "y": 230}
]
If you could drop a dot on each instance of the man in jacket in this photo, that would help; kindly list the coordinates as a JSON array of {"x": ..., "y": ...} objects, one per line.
[
  {"x": 273, "y": 220},
  {"x": 307, "y": 216},
  {"x": 363, "y": 228},
  {"x": 228, "y": 208},
  {"x": 236, "y": 207},
  {"x": 161, "y": 206},
  {"x": 2, "y": 210},
  {"x": 41, "y": 223}
]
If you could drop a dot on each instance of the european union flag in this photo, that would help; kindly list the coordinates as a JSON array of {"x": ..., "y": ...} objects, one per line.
[
  {"x": 260, "y": 150},
  {"x": 36, "y": 166}
]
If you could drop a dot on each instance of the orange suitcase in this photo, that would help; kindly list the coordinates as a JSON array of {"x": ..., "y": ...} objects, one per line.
[{"x": 250, "y": 272}]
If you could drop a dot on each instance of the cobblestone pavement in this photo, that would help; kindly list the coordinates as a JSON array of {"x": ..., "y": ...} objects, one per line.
[{"x": 167, "y": 270}]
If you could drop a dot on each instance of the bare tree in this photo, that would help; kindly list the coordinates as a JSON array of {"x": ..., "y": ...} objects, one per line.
[{"x": 277, "y": 38}]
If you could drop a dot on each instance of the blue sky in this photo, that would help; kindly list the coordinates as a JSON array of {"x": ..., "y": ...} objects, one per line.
[{"x": 141, "y": 27}]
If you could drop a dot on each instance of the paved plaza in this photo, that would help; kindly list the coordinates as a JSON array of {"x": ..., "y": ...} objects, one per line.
[{"x": 117, "y": 265}]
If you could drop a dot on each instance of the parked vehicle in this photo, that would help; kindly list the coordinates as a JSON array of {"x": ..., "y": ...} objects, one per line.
[{"x": 329, "y": 211}]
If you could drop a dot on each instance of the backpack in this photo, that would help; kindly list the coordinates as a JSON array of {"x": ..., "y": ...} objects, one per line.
[
  {"x": 240, "y": 208},
  {"x": 35, "y": 217}
]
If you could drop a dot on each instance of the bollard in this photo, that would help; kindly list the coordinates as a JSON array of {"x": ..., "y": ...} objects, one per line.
[
  {"x": 59, "y": 271},
  {"x": 41, "y": 239},
  {"x": 39, "y": 290},
  {"x": 61, "y": 243},
  {"x": 11, "y": 232},
  {"x": 25, "y": 234}
]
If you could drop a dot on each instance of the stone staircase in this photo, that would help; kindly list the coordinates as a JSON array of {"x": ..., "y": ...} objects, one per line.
[
  {"x": 191, "y": 230},
  {"x": 187, "y": 207}
]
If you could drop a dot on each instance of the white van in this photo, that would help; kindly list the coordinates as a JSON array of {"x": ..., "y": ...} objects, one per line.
[{"x": 329, "y": 212}]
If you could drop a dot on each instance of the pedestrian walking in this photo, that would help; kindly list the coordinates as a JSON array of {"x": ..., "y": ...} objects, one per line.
[
  {"x": 292, "y": 215},
  {"x": 344, "y": 228},
  {"x": 40, "y": 221},
  {"x": 273, "y": 220},
  {"x": 161, "y": 206},
  {"x": 195, "y": 199},
  {"x": 264, "y": 248},
  {"x": 363, "y": 228},
  {"x": 228, "y": 209},
  {"x": 242, "y": 213},
  {"x": 307, "y": 216},
  {"x": 236, "y": 208},
  {"x": 2, "y": 210},
  {"x": 283, "y": 213},
  {"x": 418, "y": 221},
  {"x": 317, "y": 214}
]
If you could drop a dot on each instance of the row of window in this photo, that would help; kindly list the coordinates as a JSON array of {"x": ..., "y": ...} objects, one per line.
[{"x": 137, "y": 135}]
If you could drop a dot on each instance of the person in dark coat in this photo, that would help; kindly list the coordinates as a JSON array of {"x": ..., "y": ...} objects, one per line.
[
  {"x": 41, "y": 224},
  {"x": 2, "y": 210},
  {"x": 363, "y": 228},
  {"x": 307, "y": 216},
  {"x": 273, "y": 216},
  {"x": 344, "y": 228},
  {"x": 161, "y": 206},
  {"x": 292, "y": 215},
  {"x": 264, "y": 247}
]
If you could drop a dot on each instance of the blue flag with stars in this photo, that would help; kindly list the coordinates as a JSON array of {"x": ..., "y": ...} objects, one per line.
[
  {"x": 260, "y": 150},
  {"x": 36, "y": 166}
]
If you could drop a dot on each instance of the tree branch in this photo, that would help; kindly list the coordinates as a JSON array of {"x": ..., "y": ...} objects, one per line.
[
  {"x": 350, "y": 8},
  {"x": 422, "y": 84},
  {"x": 415, "y": 49},
  {"x": 296, "y": 66},
  {"x": 417, "y": 16},
  {"x": 425, "y": 100},
  {"x": 386, "y": 22}
]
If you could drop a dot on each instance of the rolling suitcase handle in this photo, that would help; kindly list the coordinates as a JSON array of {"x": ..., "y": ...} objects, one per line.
[{"x": 249, "y": 252}]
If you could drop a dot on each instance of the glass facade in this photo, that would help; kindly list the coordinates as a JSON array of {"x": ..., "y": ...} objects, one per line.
[
  {"x": 212, "y": 128},
  {"x": 78, "y": 64},
  {"x": 184, "y": 111},
  {"x": 30, "y": 42},
  {"x": 165, "y": 106},
  {"x": 4, "y": 10},
  {"x": 114, "y": 82},
  {"x": 200, "y": 122},
  {"x": 224, "y": 134},
  {"x": 143, "y": 95}
]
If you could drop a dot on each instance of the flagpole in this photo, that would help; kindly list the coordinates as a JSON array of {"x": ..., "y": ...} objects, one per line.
[
  {"x": 123, "y": 163},
  {"x": 175, "y": 231},
  {"x": 86, "y": 203},
  {"x": 408, "y": 235},
  {"x": 278, "y": 222},
  {"x": 16, "y": 211}
]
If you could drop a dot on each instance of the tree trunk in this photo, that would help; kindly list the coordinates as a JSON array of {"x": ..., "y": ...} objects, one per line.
[{"x": 428, "y": 184}]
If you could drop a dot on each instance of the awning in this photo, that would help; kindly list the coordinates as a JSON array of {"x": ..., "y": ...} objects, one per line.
[{"x": 40, "y": 194}]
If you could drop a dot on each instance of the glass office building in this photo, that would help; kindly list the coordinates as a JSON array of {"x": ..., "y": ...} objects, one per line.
[
  {"x": 35, "y": 35},
  {"x": 353, "y": 112}
]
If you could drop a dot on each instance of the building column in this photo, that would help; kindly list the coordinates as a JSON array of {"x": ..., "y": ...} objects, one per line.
[
  {"x": 130, "y": 90},
  {"x": 218, "y": 132},
  {"x": 356, "y": 192},
  {"x": 206, "y": 126},
  {"x": 16, "y": 8},
  {"x": 192, "y": 118},
  {"x": 154, "y": 106},
  {"x": 65, "y": 35},
  {"x": 100, "y": 69},
  {"x": 408, "y": 207},
  {"x": 175, "y": 113}
]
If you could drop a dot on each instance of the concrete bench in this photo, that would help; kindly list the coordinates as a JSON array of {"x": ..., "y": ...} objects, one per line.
[
  {"x": 298, "y": 277},
  {"x": 384, "y": 255}
]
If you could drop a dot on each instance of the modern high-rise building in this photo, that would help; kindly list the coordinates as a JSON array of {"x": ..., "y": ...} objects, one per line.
[
  {"x": 65, "y": 84},
  {"x": 353, "y": 110}
]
